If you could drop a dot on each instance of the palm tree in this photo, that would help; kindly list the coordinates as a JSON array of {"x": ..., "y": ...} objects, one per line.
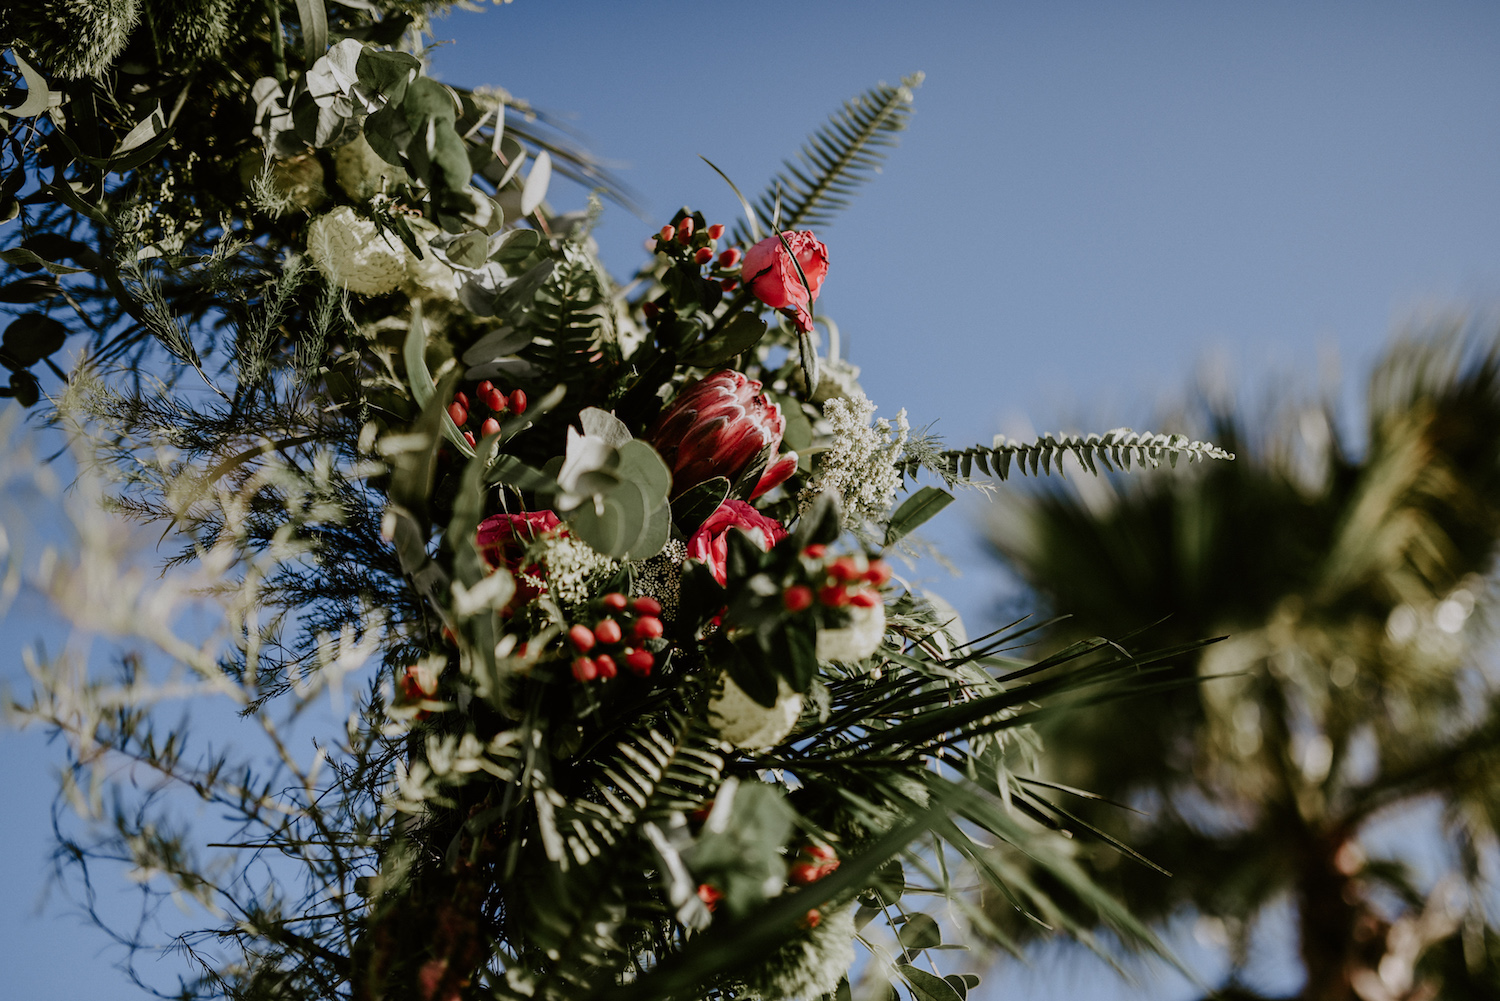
[{"x": 1351, "y": 683}]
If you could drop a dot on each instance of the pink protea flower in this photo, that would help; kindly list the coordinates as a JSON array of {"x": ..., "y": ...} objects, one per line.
[
  {"x": 772, "y": 277},
  {"x": 718, "y": 426},
  {"x": 710, "y": 543}
]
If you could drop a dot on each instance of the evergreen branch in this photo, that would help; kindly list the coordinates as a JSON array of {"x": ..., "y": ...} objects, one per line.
[
  {"x": 835, "y": 160},
  {"x": 1114, "y": 450}
]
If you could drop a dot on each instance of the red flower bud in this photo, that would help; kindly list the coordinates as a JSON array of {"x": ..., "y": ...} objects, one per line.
[
  {"x": 667, "y": 233},
  {"x": 728, "y": 284},
  {"x": 490, "y": 426},
  {"x": 582, "y": 637},
  {"x": 614, "y": 600},
  {"x": 717, "y": 426},
  {"x": 639, "y": 662},
  {"x": 729, "y": 258},
  {"x": 458, "y": 412},
  {"x": 646, "y": 605},
  {"x": 709, "y": 896},
  {"x": 606, "y": 665},
  {"x": 715, "y": 231},
  {"x": 844, "y": 569},
  {"x": 647, "y": 627},
  {"x": 773, "y": 277},
  {"x": 879, "y": 572},
  {"x": 607, "y": 631},
  {"x": 685, "y": 230},
  {"x": 704, "y": 255},
  {"x": 864, "y": 599},
  {"x": 797, "y": 598},
  {"x": 834, "y": 595},
  {"x": 518, "y": 402},
  {"x": 585, "y": 669},
  {"x": 816, "y": 551}
]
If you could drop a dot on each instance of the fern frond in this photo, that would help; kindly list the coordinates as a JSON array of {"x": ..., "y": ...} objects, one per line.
[
  {"x": 1114, "y": 450},
  {"x": 836, "y": 159}
]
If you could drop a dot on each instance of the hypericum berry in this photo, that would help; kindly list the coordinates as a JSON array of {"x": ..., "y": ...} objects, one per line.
[
  {"x": 615, "y": 600},
  {"x": 715, "y": 231},
  {"x": 864, "y": 599},
  {"x": 607, "y": 631},
  {"x": 495, "y": 400},
  {"x": 812, "y": 919},
  {"x": 816, "y": 551},
  {"x": 729, "y": 258},
  {"x": 518, "y": 402},
  {"x": 728, "y": 284},
  {"x": 685, "y": 230},
  {"x": 458, "y": 412},
  {"x": 667, "y": 233},
  {"x": 582, "y": 637},
  {"x": 585, "y": 669},
  {"x": 639, "y": 662},
  {"x": 834, "y": 595},
  {"x": 805, "y": 873},
  {"x": 483, "y": 389},
  {"x": 462, "y": 397},
  {"x": 879, "y": 572},
  {"x": 489, "y": 427},
  {"x": 844, "y": 569},
  {"x": 650, "y": 309},
  {"x": 646, "y": 605},
  {"x": 647, "y": 627},
  {"x": 704, "y": 255},
  {"x": 469, "y": 437},
  {"x": 797, "y": 598},
  {"x": 606, "y": 665},
  {"x": 709, "y": 896},
  {"x": 821, "y": 853}
]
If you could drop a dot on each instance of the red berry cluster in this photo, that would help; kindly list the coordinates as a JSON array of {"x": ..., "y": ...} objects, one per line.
[
  {"x": 684, "y": 240},
  {"x": 812, "y": 864},
  {"x": 624, "y": 626},
  {"x": 499, "y": 404},
  {"x": 844, "y": 582}
]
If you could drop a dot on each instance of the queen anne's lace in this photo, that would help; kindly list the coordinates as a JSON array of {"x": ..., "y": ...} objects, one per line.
[{"x": 860, "y": 465}]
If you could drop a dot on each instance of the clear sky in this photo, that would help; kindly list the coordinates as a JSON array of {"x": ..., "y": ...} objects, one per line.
[{"x": 1092, "y": 200}]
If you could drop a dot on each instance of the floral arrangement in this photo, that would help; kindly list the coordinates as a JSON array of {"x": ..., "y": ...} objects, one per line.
[{"x": 650, "y": 712}]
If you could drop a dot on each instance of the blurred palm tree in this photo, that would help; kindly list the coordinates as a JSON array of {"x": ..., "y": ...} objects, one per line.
[{"x": 1353, "y": 682}]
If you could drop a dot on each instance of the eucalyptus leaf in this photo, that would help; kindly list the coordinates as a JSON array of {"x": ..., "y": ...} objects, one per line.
[
  {"x": 27, "y": 259},
  {"x": 927, "y": 986},
  {"x": 29, "y": 338},
  {"x": 38, "y": 97},
  {"x": 536, "y": 183}
]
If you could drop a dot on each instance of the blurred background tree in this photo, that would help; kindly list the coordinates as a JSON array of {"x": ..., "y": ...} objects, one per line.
[{"x": 1354, "y": 681}]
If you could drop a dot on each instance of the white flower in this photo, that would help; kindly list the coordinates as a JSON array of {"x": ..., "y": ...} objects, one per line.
[
  {"x": 856, "y": 641},
  {"x": 362, "y": 173},
  {"x": 747, "y": 724},
  {"x": 572, "y": 565},
  {"x": 860, "y": 464},
  {"x": 355, "y": 253},
  {"x": 811, "y": 964}
]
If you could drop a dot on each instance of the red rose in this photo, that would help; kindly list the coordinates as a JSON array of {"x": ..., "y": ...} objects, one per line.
[
  {"x": 710, "y": 544},
  {"x": 504, "y": 539},
  {"x": 718, "y": 426},
  {"x": 772, "y": 277}
]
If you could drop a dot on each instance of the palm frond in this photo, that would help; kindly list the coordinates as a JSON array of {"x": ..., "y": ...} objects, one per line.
[{"x": 835, "y": 160}]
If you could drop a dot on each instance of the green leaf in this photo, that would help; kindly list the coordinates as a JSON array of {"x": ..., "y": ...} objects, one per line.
[
  {"x": 470, "y": 250},
  {"x": 919, "y": 932},
  {"x": 695, "y": 504},
  {"x": 927, "y": 986},
  {"x": 313, "y": 17},
  {"x": 29, "y": 338},
  {"x": 536, "y": 183},
  {"x": 38, "y": 97},
  {"x": 917, "y": 509},
  {"x": 740, "y": 334},
  {"x": 23, "y": 258},
  {"x": 420, "y": 379}
]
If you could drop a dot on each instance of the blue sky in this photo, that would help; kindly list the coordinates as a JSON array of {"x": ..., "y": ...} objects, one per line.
[{"x": 1093, "y": 200}]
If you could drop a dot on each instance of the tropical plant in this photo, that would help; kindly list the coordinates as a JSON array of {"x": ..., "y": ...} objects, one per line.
[{"x": 1350, "y": 584}]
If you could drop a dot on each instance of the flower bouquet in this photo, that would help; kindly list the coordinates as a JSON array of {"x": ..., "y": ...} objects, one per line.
[{"x": 655, "y": 715}]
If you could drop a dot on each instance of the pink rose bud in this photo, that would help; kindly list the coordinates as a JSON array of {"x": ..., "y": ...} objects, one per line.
[
  {"x": 667, "y": 233},
  {"x": 639, "y": 662},
  {"x": 607, "y": 631},
  {"x": 469, "y": 437},
  {"x": 646, "y": 605},
  {"x": 606, "y": 665},
  {"x": 716, "y": 426},
  {"x": 797, "y": 598},
  {"x": 703, "y": 255},
  {"x": 685, "y": 230},
  {"x": 518, "y": 402},
  {"x": 585, "y": 669},
  {"x": 715, "y": 231},
  {"x": 459, "y": 412},
  {"x": 647, "y": 627},
  {"x": 729, "y": 258},
  {"x": 489, "y": 427},
  {"x": 582, "y": 637},
  {"x": 615, "y": 600},
  {"x": 773, "y": 278}
]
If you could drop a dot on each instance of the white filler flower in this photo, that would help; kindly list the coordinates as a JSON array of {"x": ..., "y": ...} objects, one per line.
[
  {"x": 860, "y": 464},
  {"x": 353, "y": 252}
]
